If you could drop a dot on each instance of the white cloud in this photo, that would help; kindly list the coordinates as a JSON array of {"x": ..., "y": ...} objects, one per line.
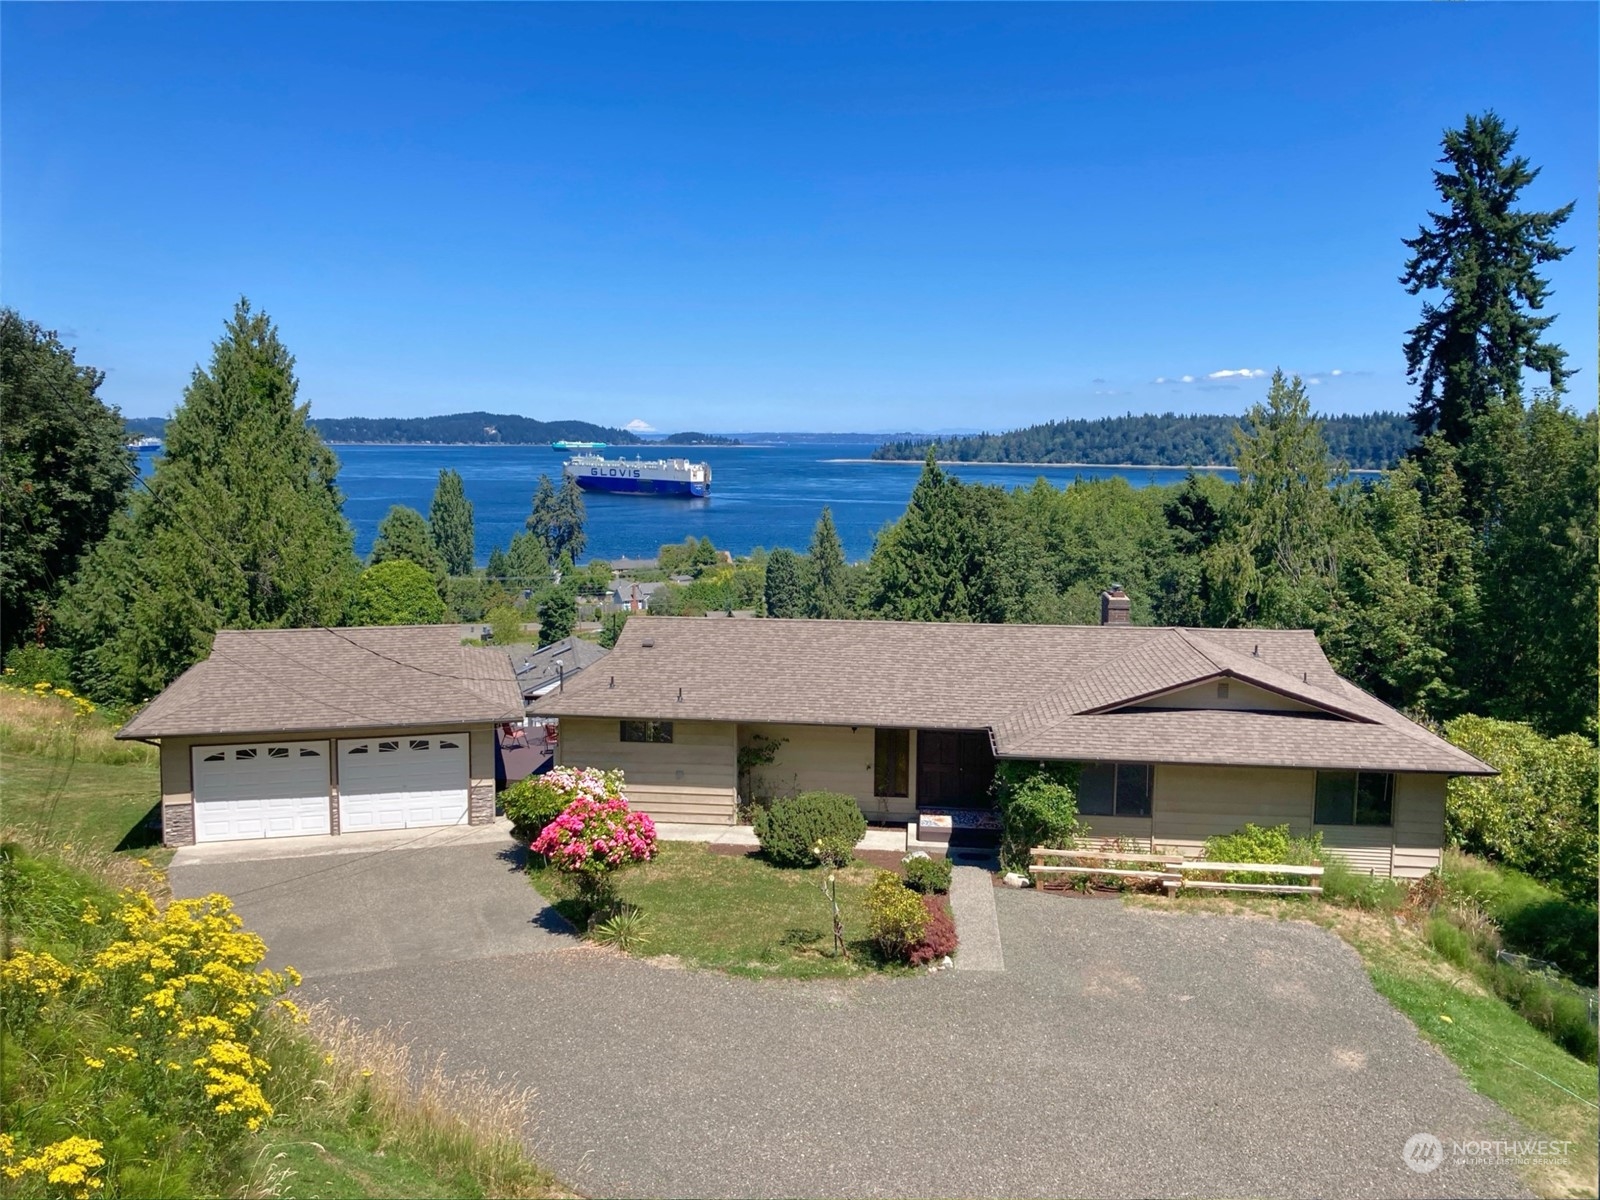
[
  {"x": 1313, "y": 380},
  {"x": 1241, "y": 373},
  {"x": 1336, "y": 371},
  {"x": 1159, "y": 379},
  {"x": 1187, "y": 379},
  {"x": 639, "y": 426}
]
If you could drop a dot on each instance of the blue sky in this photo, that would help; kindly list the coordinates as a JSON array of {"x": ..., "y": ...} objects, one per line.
[{"x": 768, "y": 217}]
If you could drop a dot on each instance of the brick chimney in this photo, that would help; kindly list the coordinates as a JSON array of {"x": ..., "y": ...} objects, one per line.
[{"x": 1114, "y": 606}]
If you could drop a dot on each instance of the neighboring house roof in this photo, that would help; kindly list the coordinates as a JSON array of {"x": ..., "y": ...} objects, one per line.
[
  {"x": 282, "y": 680},
  {"x": 634, "y": 564},
  {"x": 626, "y": 589},
  {"x": 1043, "y": 691},
  {"x": 537, "y": 672}
]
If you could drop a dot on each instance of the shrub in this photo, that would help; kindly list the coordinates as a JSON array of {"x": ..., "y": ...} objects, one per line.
[
  {"x": 28, "y": 665},
  {"x": 532, "y": 803},
  {"x": 1540, "y": 814},
  {"x": 1038, "y": 805},
  {"x": 1534, "y": 919},
  {"x": 813, "y": 827},
  {"x": 1251, "y": 843},
  {"x": 927, "y": 875},
  {"x": 626, "y": 929},
  {"x": 939, "y": 938},
  {"x": 1343, "y": 884},
  {"x": 594, "y": 839},
  {"x": 896, "y": 916}
]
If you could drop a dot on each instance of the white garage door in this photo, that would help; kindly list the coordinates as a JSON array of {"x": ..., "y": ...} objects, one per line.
[
  {"x": 402, "y": 782},
  {"x": 260, "y": 789}
]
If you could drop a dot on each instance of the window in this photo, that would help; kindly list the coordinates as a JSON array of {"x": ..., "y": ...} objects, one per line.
[
  {"x": 243, "y": 754},
  {"x": 1115, "y": 789},
  {"x": 647, "y": 731},
  {"x": 310, "y": 753},
  {"x": 277, "y": 752},
  {"x": 1355, "y": 798},
  {"x": 446, "y": 745},
  {"x": 357, "y": 750},
  {"x": 419, "y": 743},
  {"x": 219, "y": 756},
  {"x": 891, "y": 762},
  {"x": 388, "y": 747}
]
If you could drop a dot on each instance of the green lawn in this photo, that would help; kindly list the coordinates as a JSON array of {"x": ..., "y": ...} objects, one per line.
[
  {"x": 97, "y": 807},
  {"x": 1501, "y": 1056},
  {"x": 739, "y": 914}
]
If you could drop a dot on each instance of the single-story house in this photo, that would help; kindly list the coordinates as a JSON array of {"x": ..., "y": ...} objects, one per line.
[
  {"x": 631, "y": 596},
  {"x": 287, "y": 732},
  {"x": 1181, "y": 733}
]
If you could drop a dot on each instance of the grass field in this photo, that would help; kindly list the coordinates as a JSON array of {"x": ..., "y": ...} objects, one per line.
[
  {"x": 783, "y": 926},
  {"x": 1501, "y": 1056}
]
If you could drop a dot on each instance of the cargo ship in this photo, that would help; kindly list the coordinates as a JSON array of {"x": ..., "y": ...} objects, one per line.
[
  {"x": 641, "y": 477},
  {"x": 581, "y": 447}
]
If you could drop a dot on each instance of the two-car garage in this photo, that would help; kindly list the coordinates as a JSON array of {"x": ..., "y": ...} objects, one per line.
[
  {"x": 286, "y": 789},
  {"x": 293, "y": 733}
]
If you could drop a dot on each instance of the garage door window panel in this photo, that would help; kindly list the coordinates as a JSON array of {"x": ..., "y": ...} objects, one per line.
[{"x": 395, "y": 783}]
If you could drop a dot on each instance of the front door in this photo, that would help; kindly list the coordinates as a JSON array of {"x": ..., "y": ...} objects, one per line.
[{"x": 954, "y": 769}]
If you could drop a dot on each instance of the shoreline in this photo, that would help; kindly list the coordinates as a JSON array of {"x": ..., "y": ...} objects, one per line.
[{"x": 967, "y": 462}]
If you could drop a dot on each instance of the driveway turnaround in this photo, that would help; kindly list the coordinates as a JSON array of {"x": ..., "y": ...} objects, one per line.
[
  {"x": 1122, "y": 1052},
  {"x": 407, "y": 898}
]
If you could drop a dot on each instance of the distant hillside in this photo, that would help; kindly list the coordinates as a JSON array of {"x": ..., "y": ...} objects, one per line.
[
  {"x": 474, "y": 428},
  {"x": 1373, "y": 442},
  {"x": 693, "y": 437}
]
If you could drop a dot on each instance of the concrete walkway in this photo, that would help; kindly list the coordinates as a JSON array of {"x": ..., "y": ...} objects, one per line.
[{"x": 977, "y": 924}]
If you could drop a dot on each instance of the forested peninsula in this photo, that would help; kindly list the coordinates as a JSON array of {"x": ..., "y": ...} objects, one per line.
[{"x": 1374, "y": 441}]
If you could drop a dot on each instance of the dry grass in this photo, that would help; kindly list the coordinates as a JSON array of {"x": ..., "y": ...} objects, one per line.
[
  {"x": 50, "y": 726},
  {"x": 118, "y": 871},
  {"x": 454, "y": 1122}
]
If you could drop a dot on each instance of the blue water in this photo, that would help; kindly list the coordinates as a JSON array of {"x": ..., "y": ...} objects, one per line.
[{"x": 761, "y": 495}]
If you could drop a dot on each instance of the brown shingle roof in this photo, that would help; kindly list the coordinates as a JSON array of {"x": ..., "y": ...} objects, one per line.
[
  {"x": 282, "y": 680},
  {"x": 1042, "y": 690}
]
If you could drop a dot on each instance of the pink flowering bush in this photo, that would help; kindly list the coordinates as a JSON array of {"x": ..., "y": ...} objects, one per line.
[{"x": 593, "y": 839}]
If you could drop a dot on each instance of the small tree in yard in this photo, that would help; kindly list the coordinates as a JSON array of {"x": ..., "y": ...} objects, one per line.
[{"x": 595, "y": 836}]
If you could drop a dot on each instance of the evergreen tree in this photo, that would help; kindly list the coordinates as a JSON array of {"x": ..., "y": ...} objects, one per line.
[
  {"x": 450, "y": 518},
  {"x": 241, "y": 527},
  {"x": 64, "y": 472},
  {"x": 920, "y": 566},
  {"x": 826, "y": 594},
  {"x": 1471, "y": 347},
  {"x": 404, "y": 533},
  {"x": 1277, "y": 565},
  {"x": 784, "y": 591},
  {"x": 396, "y": 592},
  {"x": 558, "y": 614},
  {"x": 557, "y": 518}
]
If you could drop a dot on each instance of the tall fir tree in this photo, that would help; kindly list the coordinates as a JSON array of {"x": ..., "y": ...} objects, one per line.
[
  {"x": 241, "y": 527},
  {"x": 450, "y": 519},
  {"x": 557, "y": 518},
  {"x": 64, "y": 472},
  {"x": 785, "y": 589},
  {"x": 1278, "y": 564},
  {"x": 1471, "y": 347},
  {"x": 826, "y": 592}
]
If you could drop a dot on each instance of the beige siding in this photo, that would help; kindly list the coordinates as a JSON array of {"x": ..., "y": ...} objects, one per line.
[
  {"x": 819, "y": 758},
  {"x": 1193, "y": 803},
  {"x": 1365, "y": 847},
  {"x": 693, "y": 778},
  {"x": 1240, "y": 696},
  {"x": 1107, "y": 831},
  {"x": 1418, "y": 824}
]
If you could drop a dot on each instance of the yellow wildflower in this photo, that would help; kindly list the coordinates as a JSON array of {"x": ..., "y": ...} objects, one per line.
[{"x": 94, "y": 1064}]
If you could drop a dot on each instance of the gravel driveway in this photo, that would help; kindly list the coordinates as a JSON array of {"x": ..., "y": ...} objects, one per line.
[{"x": 1123, "y": 1052}]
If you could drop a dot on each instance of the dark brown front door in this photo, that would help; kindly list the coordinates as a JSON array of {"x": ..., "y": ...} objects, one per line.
[{"x": 954, "y": 769}]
